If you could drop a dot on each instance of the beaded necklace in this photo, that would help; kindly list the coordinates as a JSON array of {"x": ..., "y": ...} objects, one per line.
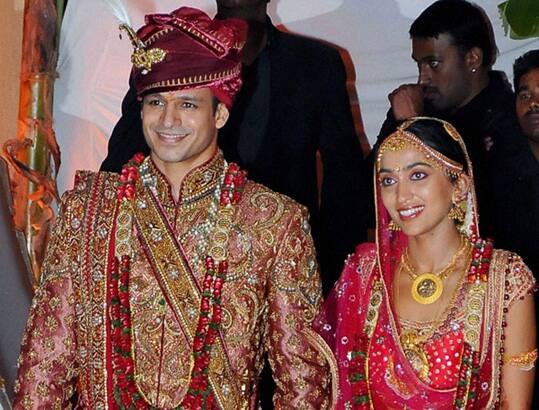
[{"x": 199, "y": 394}]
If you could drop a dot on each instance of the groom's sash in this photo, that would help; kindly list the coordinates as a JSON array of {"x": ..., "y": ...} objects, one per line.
[{"x": 181, "y": 289}]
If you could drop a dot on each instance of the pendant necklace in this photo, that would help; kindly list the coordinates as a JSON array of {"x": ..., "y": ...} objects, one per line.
[{"x": 427, "y": 287}]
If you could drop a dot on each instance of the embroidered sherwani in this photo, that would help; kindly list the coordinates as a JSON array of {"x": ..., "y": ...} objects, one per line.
[{"x": 269, "y": 298}]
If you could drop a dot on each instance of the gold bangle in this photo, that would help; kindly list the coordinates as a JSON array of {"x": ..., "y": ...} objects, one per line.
[{"x": 524, "y": 361}]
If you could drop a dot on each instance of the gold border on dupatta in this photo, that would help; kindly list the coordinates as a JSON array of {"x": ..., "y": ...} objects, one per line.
[{"x": 496, "y": 290}]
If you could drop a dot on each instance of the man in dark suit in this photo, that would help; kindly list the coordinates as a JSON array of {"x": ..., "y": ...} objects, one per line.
[
  {"x": 519, "y": 200},
  {"x": 293, "y": 104}
]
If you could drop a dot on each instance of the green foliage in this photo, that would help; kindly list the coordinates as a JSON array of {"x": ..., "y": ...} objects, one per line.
[{"x": 520, "y": 18}]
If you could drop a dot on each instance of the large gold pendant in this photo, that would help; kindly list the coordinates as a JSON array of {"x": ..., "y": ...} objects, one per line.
[
  {"x": 427, "y": 288},
  {"x": 415, "y": 354}
]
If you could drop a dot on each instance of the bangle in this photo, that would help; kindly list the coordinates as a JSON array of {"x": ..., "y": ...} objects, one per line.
[{"x": 524, "y": 361}]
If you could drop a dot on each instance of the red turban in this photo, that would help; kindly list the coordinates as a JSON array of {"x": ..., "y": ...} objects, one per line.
[{"x": 187, "y": 49}]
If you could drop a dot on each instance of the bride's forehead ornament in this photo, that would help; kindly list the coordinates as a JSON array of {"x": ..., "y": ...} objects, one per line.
[{"x": 402, "y": 139}]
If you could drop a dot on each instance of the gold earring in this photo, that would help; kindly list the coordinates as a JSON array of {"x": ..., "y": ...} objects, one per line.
[
  {"x": 393, "y": 226},
  {"x": 456, "y": 213}
]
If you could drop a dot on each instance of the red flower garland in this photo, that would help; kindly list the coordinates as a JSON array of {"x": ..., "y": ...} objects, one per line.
[
  {"x": 481, "y": 254},
  {"x": 125, "y": 391},
  {"x": 479, "y": 268},
  {"x": 232, "y": 188},
  {"x": 129, "y": 177},
  {"x": 462, "y": 384},
  {"x": 358, "y": 373},
  {"x": 199, "y": 395}
]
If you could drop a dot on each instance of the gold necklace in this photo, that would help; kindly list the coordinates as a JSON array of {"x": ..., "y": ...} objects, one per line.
[
  {"x": 411, "y": 347},
  {"x": 413, "y": 341},
  {"x": 427, "y": 287}
]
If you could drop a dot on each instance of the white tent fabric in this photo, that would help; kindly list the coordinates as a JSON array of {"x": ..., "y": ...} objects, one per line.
[{"x": 94, "y": 64}]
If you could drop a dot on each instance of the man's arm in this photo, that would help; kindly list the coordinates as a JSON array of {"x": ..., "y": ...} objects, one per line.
[
  {"x": 47, "y": 362},
  {"x": 299, "y": 370}
]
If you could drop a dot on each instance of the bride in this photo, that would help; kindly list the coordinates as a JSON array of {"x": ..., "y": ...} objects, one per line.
[{"x": 430, "y": 316}]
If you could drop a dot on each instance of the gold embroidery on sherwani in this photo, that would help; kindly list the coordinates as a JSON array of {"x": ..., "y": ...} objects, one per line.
[
  {"x": 161, "y": 351},
  {"x": 262, "y": 200},
  {"x": 258, "y": 308},
  {"x": 97, "y": 230},
  {"x": 180, "y": 286},
  {"x": 247, "y": 310}
]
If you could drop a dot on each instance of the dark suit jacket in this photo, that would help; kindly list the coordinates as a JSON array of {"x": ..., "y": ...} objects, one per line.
[
  {"x": 309, "y": 112},
  {"x": 518, "y": 209}
]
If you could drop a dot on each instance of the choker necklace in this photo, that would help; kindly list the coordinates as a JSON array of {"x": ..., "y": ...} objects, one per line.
[{"x": 427, "y": 287}]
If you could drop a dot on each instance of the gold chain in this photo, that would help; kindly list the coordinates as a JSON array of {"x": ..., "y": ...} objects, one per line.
[{"x": 445, "y": 271}]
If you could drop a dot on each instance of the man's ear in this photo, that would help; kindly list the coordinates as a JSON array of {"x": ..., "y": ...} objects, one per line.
[
  {"x": 462, "y": 186},
  {"x": 221, "y": 115},
  {"x": 474, "y": 59}
]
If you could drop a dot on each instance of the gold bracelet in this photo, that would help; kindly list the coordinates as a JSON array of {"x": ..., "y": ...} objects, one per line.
[{"x": 524, "y": 361}]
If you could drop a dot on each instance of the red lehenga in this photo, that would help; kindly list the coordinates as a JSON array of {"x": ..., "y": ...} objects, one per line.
[{"x": 463, "y": 349}]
